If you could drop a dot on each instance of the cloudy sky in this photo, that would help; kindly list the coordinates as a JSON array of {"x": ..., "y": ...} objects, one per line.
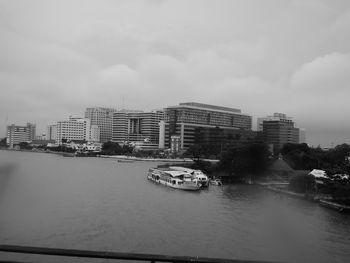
[{"x": 59, "y": 57}]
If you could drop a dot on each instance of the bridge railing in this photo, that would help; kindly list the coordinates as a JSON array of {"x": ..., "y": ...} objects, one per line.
[{"x": 116, "y": 255}]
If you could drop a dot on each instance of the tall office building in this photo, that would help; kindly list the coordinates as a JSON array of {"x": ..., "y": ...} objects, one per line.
[
  {"x": 302, "y": 135},
  {"x": 278, "y": 130},
  {"x": 17, "y": 134},
  {"x": 52, "y": 132},
  {"x": 103, "y": 118},
  {"x": 77, "y": 129},
  {"x": 137, "y": 127},
  {"x": 197, "y": 123}
]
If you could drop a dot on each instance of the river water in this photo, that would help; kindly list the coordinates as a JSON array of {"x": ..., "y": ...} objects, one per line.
[{"x": 100, "y": 204}]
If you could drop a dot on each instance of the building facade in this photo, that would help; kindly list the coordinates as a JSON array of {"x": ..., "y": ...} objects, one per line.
[
  {"x": 76, "y": 129},
  {"x": 52, "y": 132},
  {"x": 103, "y": 118},
  {"x": 278, "y": 130},
  {"x": 202, "y": 123},
  {"x": 138, "y": 128},
  {"x": 17, "y": 134}
]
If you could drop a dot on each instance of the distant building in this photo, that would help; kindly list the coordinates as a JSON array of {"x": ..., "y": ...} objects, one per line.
[
  {"x": 103, "y": 118},
  {"x": 175, "y": 144},
  {"x": 52, "y": 132},
  {"x": 95, "y": 133},
  {"x": 302, "y": 135},
  {"x": 278, "y": 130},
  {"x": 202, "y": 123},
  {"x": 76, "y": 129},
  {"x": 17, "y": 134},
  {"x": 137, "y": 128}
]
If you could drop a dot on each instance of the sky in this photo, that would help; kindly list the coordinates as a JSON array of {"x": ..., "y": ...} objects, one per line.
[{"x": 262, "y": 56}]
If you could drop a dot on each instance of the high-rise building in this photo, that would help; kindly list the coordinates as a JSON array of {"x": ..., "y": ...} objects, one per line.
[
  {"x": 138, "y": 128},
  {"x": 302, "y": 135},
  {"x": 278, "y": 130},
  {"x": 17, "y": 134},
  {"x": 73, "y": 129},
  {"x": 203, "y": 123},
  {"x": 103, "y": 118},
  {"x": 94, "y": 133},
  {"x": 52, "y": 132}
]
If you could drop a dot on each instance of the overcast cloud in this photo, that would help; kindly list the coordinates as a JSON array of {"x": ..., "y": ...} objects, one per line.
[{"x": 59, "y": 57}]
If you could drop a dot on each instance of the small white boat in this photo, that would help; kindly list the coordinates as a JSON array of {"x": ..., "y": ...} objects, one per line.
[
  {"x": 174, "y": 179},
  {"x": 215, "y": 182},
  {"x": 197, "y": 175}
]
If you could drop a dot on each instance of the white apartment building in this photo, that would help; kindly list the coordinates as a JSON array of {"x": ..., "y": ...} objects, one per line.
[{"x": 74, "y": 129}]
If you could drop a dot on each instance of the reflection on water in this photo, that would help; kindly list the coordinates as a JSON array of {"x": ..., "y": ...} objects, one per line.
[{"x": 99, "y": 204}]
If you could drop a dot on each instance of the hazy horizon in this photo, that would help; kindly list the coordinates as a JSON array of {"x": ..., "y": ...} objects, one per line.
[{"x": 59, "y": 57}]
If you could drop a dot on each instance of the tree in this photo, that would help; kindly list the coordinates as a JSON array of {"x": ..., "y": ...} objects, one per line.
[
  {"x": 195, "y": 151},
  {"x": 25, "y": 145},
  {"x": 3, "y": 142},
  {"x": 249, "y": 159},
  {"x": 111, "y": 148}
]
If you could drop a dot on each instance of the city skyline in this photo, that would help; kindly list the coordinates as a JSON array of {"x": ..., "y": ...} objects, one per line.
[{"x": 58, "y": 58}]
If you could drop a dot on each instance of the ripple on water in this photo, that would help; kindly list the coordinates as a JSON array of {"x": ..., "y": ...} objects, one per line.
[{"x": 95, "y": 203}]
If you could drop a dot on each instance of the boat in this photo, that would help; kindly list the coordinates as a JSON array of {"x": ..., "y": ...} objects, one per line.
[
  {"x": 172, "y": 178},
  {"x": 215, "y": 182},
  {"x": 125, "y": 161},
  {"x": 197, "y": 175}
]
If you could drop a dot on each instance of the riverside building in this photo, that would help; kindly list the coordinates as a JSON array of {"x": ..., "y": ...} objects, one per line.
[
  {"x": 278, "y": 130},
  {"x": 103, "y": 118},
  {"x": 138, "y": 128},
  {"x": 17, "y": 134},
  {"x": 52, "y": 132},
  {"x": 198, "y": 123},
  {"x": 77, "y": 129}
]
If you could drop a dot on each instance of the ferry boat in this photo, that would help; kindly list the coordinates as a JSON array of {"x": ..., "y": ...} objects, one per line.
[
  {"x": 197, "y": 175},
  {"x": 172, "y": 178}
]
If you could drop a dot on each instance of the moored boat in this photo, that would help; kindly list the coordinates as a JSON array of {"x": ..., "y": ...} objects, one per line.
[
  {"x": 172, "y": 178},
  {"x": 197, "y": 175}
]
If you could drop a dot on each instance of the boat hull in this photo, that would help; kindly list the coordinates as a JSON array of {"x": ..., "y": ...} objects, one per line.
[{"x": 170, "y": 182}]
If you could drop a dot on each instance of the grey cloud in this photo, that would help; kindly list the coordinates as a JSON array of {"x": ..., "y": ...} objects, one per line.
[{"x": 58, "y": 57}]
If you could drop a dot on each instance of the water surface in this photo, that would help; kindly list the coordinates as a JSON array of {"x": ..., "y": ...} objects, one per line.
[{"x": 100, "y": 204}]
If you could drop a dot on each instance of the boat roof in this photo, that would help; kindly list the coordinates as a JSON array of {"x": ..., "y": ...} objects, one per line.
[
  {"x": 184, "y": 169},
  {"x": 173, "y": 173},
  {"x": 177, "y": 173}
]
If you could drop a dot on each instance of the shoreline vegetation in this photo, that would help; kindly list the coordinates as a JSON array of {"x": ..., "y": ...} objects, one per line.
[{"x": 252, "y": 163}]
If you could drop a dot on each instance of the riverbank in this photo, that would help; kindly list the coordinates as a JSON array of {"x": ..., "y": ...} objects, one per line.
[
  {"x": 132, "y": 158},
  {"x": 328, "y": 203}
]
